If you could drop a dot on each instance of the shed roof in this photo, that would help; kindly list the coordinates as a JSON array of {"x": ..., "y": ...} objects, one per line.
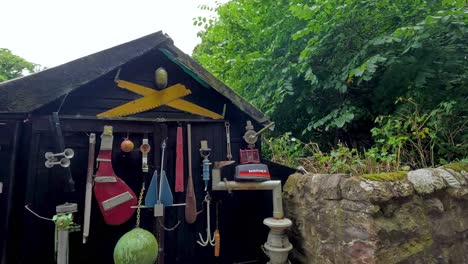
[{"x": 28, "y": 93}]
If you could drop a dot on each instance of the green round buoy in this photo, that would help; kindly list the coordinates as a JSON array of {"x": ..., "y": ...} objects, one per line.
[
  {"x": 160, "y": 77},
  {"x": 137, "y": 246}
]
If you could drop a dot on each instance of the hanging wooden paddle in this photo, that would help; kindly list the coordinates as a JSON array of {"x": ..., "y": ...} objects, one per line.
[
  {"x": 179, "y": 183},
  {"x": 190, "y": 199}
]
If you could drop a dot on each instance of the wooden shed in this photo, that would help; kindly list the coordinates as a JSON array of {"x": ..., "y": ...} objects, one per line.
[{"x": 79, "y": 92}]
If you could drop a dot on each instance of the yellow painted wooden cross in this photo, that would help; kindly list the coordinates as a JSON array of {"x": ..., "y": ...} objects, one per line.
[{"x": 153, "y": 98}]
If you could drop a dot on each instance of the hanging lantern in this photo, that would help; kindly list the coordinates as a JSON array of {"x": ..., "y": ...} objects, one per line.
[{"x": 160, "y": 77}]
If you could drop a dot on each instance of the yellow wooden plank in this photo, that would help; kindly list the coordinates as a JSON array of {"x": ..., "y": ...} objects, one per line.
[
  {"x": 148, "y": 102},
  {"x": 193, "y": 109},
  {"x": 136, "y": 88},
  {"x": 179, "y": 104}
]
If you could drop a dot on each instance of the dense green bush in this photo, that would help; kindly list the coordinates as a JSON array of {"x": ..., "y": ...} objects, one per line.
[
  {"x": 326, "y": 70},
  {"x": 423, "y": 139}
]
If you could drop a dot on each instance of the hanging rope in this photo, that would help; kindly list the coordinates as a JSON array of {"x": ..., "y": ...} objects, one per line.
[
  {"x": 63, "y": 101},
  {"x": 34, "y": 213}
]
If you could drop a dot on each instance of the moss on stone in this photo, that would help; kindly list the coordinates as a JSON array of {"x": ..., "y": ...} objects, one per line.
[
  {"x": 406, "y": 234},
  {"x": 288, "y": 186},
  {"x": 390, "y": 176},
  {"x": 405, "y": 250},
  {"x": 457, "y": 166},
  {"x": 302, "y": 180}
]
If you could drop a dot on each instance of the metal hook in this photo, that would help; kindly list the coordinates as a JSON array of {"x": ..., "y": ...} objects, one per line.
[{"x": 209, "y": 238}]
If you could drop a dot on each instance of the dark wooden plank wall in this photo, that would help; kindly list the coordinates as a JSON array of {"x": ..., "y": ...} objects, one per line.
[
  {"x": 17, "y": 234},
  {"x": 103, "y": 94},
  {"x": 9, "y": 140},
  {"x": 241, "y": 214}
]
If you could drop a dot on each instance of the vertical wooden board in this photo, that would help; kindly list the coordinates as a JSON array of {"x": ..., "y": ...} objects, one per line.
[
  {"x": 30, "y": 236},
  {"x": 16, "y": 227},
  {"x": 9, "y": 132}
]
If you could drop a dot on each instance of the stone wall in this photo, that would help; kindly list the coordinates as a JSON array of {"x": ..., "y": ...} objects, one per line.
[{"x": 420, "y": 218}]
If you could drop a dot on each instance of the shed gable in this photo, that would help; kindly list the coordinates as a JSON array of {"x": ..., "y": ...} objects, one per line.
[{"x": 103, "y": 93}]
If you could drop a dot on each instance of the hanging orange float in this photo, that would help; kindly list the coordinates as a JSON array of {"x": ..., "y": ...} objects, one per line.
[{"x": 127, "y": 145}]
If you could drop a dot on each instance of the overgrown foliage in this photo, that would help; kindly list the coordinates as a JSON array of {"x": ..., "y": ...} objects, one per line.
[
  {"x": 423, "y": 139},
  {"x": 13, "y": 66},
  {"x": 292, "y": 152},
  {"x": 326, "y": 70}
]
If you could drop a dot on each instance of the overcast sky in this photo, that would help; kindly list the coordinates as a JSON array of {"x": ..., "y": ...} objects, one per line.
[{"x": 52, "y": 32}]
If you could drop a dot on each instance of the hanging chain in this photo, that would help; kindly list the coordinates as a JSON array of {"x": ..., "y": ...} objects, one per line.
[
  {"x": 228, "y": 141},
  {"x": 168, "y": 228},
  {"x": 140, "y": 199}
]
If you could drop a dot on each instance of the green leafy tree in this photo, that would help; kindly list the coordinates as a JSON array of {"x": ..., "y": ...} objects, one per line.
[
  {"x": 13, "y": 66},
  {"x": 326, "y": 69}
]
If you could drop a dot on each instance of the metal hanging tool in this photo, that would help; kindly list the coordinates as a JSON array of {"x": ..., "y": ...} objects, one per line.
[
  {"x": 56, "y": 128},
  {"x": 67, "y": 153},
  {"x": 205, "y": 152},
  {"x": 64, "y": 162},
  {"x": 145, "y": 148},
  {"x": 158, "y": 195},
  {"x": 227, "y": 125},
  {"x": 165, "y": 194},
  {"x": 210, "y": 240}
]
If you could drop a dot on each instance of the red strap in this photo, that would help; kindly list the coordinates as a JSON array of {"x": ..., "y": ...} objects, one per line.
[{"x": 179, "y": 184}]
